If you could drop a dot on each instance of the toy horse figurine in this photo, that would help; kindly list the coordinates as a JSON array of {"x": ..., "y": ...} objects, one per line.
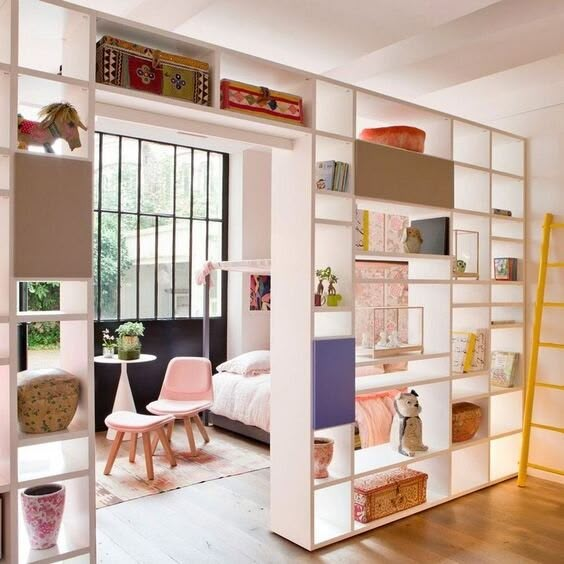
[{"x": 59, "y": 120}]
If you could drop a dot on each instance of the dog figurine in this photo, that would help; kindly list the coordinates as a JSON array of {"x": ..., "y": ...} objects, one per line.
[
  {"x": 407, "y": 430},
  {"x": 412, "y": 240}
]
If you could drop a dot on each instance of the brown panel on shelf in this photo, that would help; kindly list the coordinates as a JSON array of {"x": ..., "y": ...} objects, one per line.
[
  {"x": 404, "y": 176},
  {"x": 53, "y": 217}
]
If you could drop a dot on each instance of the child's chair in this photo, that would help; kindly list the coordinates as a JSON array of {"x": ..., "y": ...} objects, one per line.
[{"x": 186, "y": 391}]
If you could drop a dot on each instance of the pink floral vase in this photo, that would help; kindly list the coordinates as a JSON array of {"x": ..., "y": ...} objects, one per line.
[
  {"x": 43, "y": 508},
  {"x": 322, "y": 456}
]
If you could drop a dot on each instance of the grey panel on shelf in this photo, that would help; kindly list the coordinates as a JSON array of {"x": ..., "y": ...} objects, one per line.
[
  {"x": 52, "y": 217},
  {"x": 404, "y": 176},
  {"x": 435, "y": 233}
]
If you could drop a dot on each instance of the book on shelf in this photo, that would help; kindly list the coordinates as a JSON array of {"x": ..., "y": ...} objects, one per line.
[
  {"x": 463, "y": 343},
  {"x": 500, "y": 211},
  {"x": 331, "y": 176},
  {"x": 503, "y": 368},
  {"x": 478, "y": 361}
]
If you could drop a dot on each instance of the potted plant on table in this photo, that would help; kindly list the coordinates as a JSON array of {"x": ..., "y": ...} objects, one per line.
[
  {"x": 108, "y": 344},
  {"x": 129, "y": 345}
]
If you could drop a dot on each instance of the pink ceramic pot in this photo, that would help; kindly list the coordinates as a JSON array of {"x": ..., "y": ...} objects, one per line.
[
  {"x": 322, "y": 456},
  {"x": 43, "y": 508}
]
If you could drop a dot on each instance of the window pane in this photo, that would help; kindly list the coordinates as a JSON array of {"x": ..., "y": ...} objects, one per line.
[
  {"x": 108, "y": 265},
  {"x": 214, "y": 253},
  {"x": 147, "y": 267},
  {"x": 216, "y": 185},
  {"x": 157, "y": 168},
  {"x": 181, "y": 269},
  {"x": 110, "y": 168},
  {"x": 96, "y": 169},
  {"x": 198, "y": 258},
  {"x": 183, "y": 181},
  {"x": 129, "y": 169},
  {"x": 128, "y": 267},
  {"x": 200, "y": 183},
  {"x": 164, "y": 286}
]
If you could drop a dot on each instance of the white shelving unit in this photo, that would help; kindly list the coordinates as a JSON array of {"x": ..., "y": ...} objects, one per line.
[
  {"x": 28, "y": 81},
  {"x": 488, "y": 172}
]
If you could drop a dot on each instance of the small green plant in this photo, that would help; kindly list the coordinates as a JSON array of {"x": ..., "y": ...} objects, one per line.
[{"x": 131, "y": 329}]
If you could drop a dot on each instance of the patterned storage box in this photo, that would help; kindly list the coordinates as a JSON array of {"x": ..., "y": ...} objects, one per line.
[
  {"x": 261, "y": 101},
  {"x": 386, "y": 493},
  {"x": 126, "y": 64}
]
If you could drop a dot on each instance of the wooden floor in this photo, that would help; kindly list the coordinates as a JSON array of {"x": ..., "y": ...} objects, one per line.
[{"x": 226, "y": 521}]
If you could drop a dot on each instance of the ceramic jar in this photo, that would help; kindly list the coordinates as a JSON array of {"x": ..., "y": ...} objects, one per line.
[
  {"x": 322, "y": 456},
  {"x": 42, "y": 508}
]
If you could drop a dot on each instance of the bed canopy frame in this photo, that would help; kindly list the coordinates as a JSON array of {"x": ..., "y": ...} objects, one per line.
[{"x": 254, "y": 266}]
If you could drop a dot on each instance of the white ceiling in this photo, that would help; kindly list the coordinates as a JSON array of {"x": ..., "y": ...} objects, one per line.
[{"x": 482, "y": 59}]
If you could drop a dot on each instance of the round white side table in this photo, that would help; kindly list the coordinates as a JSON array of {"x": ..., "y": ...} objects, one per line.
[{"x": 124, "y": 397}]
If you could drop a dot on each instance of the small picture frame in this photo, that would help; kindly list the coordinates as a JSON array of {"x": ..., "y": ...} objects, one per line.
[
  {"x": 503, "y": 368},
  {"x": 505, "y": 268}
]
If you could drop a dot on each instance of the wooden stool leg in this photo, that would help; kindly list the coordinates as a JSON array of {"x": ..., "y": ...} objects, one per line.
[
  {"x": 154, "y": 444},
  {"x": 190, "y": 435},
  {"x": 133, "y": 447},
  {"x": 148, "y": 454},
  {"x": 164, "y": 440},
  {"x": 202, "y": 429},
  {"x": 169, "y": 430},
  {"x": 113, "y": 452}
]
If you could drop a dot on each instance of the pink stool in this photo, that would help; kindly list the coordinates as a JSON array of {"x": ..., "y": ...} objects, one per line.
[{"x": 129, "y": 422}]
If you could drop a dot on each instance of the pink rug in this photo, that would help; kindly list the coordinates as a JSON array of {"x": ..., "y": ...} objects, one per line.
[{"x": 225, "y": 455}]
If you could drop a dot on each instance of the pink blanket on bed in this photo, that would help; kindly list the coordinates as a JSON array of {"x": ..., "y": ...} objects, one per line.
[{"x": 374, "y": 413}]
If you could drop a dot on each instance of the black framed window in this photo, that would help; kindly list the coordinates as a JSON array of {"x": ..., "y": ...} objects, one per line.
[{"x": 159, "y": 212}]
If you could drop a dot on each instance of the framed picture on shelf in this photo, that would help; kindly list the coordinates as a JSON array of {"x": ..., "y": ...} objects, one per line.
[
  {"x": 505, "y": 268},
  {"x": 503, "y": 368},
  {"x": 259, "y": 292}
]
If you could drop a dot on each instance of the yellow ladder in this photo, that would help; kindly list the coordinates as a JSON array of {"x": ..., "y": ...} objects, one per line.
[{"x": 532, "y": 383}]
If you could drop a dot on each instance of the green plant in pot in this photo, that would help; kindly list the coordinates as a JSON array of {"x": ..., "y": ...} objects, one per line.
[
  {"x": 333, "y": 299},
  {"x": 129, "y": 345}
]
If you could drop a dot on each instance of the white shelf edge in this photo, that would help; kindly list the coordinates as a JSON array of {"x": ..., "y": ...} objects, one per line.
[
  {"x": 4, "y": 487},
  {"x": 499, "y": 391},
  {"x": 459, "y": 376},
  {"x": 506, "y": 218},
  {"x": 410, "y": 381},
  {"x": 507, "y": 304},
  {"x": 336, "y": 222},
  {"x": 476, "y": 213},
  {"x": 496, "y": 172},
  {"x": 4, "y": 360},
  {"x": 4, "y": 193},
  {"x": 466, "y": 281},
  {"x": 519, "y": 240},
  {"x": 27, "y": 439},
  {"x": 62, "y": 79},
  {"x": 400, "y": 256},
  {"x": 52, "y": 155},
  {"x": 469, "y": 397},
  {"x": 507, "y": 282},
  {"x": 22, "y": 484},
  {"x": 403, "y": 462},
  {"x": 73, "y": 553},
  {"x": 5, "y": 67},
  {"x": 469, "y": 443},
  {"x": 31, "y": 317},
  {"x": 467, "y": 305},
  {"x": 334, "y": 193},
  {"x": 480, "y": 168},
  {"x": 321, "y": 483},
  {"x": 399, "y": 358},
  {"x": 336, "y": 136},
  {"x": 331, "y": 309},
  {"x": 494, "y": 437},
  {"x": 516, "y": 325}
]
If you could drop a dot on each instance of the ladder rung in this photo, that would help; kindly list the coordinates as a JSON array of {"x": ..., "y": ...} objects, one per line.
[
  {"x": 557, "y": 225},
  {"x": 555, "y": 264},
  {"x": 552, "y": 345},
  {"x": 548, "y": 427},
  {"x": 545, "y": 468},
  {"x": 553, "y": 304},
  {"x": 552, "y": 386}
]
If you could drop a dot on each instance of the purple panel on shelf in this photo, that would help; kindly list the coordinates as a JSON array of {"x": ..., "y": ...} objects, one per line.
[{"x": 333, "y": 382}]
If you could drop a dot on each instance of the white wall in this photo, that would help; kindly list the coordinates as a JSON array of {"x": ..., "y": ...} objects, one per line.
[
  {"x": 249, "y": 238},
  {"x": 545, "y": 168}
]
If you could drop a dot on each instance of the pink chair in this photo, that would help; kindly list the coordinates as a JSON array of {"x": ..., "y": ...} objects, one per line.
[{"x": 187, "y": 391}]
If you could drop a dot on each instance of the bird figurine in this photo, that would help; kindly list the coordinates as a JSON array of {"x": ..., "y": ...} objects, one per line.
[{"x": 411, "y": 240}]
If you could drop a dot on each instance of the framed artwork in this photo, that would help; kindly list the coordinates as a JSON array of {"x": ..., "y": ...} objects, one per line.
[{"x": 259, "y": 292}]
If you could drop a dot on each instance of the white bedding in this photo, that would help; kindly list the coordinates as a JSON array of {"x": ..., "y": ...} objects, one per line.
[{"x": 243, "y": 398}]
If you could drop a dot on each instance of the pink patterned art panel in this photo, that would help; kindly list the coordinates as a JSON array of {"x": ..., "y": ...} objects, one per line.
[
  {"x": 394, "y": 227},
  {"x": 369, "y": 323}
]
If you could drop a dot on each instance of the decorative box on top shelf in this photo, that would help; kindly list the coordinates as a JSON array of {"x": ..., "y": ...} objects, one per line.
[
  {"x": 390, "y": 331},
  {"x": 261, "y": 102},
  {"x": 467, "y": 254},
  {"x": 126, "y": 64}
]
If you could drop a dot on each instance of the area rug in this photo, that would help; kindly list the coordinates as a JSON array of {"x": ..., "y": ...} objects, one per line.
[{"x": 225, "y": 455}]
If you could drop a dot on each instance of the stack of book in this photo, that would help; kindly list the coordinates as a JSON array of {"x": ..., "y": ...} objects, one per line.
[{"x": 331, "y": 176}]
